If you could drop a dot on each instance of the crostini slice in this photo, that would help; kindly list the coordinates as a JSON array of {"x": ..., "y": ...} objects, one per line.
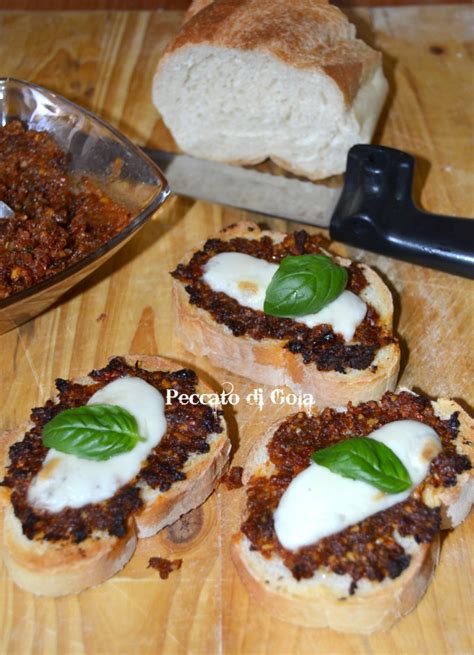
[
  {"x": 284, "y": 351},
  {"x": 60, "y": 552},
  {"x": 365, "y": 577}
]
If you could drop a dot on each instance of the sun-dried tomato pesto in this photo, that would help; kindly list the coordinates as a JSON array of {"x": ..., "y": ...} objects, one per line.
[
  {"x": 367, "y": 549},
  {"x": 233, "y": 478},
  {"x": 319, "y": 345},
  {"x": 188, "y": 429},
  {"x": 57, "y": 220},
  {"x": 164, "y": 566}
]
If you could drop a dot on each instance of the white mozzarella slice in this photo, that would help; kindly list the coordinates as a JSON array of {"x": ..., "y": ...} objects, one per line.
[
  {"x": 69, "y": 481},
  {"x": 319, "y": 503},
  {"x": 245, "y": 279}
]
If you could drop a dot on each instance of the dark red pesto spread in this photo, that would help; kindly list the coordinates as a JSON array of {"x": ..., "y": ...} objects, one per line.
[
  {"x": 57, "y": 220},
  {"x": 319, "y": 345},
  {"x": 188, "y": 428},
  {"x": 164, "y": 566},
  {"x": 233, "y": 478},
  {"x": 367, "y": 549}
]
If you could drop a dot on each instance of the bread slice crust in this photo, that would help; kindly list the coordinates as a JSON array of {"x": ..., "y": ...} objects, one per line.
[
  {"x": 325, "y": 600},
  {"x": 322, "y": 607},
  {"x": 307, "y": 35},
  {"x": 56, "y": 568},
  {"x": 269, "y": 362}
]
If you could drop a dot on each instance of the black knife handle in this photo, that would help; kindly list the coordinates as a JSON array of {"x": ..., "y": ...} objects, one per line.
[{"x": 376, "y": 212}]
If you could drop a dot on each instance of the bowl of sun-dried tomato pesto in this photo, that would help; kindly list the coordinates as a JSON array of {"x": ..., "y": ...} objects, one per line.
[{"x": 78, "y": 190}]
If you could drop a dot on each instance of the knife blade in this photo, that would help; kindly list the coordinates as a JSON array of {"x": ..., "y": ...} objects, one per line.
[
  {"x": 234, "y": 186},
  {"x": 374, "y": 210}
]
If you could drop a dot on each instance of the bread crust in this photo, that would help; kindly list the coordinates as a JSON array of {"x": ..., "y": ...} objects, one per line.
[
  {"x": 319, "y": 603},
  {"x": 309, "y": 34},
  {"x": 194, "y": 7},
  {"x": 269, "y": 362},
  {"x": 323, "y": 608},
  {"x": 60, "y": 568},
  {"x": 50, "y": 569},
  {"x": 456, "y": 501}
]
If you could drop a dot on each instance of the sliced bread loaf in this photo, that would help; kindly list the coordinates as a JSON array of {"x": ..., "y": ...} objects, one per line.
[{"x": 245, "y": 80}]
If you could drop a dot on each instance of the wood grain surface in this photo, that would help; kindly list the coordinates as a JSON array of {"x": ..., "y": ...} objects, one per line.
[{"x": 105, "y": 61}]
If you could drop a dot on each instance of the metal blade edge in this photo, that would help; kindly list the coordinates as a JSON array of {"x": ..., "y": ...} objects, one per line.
[{"x": 249, "y": 189}]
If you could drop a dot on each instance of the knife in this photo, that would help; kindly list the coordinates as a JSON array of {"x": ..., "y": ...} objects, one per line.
[{"x": 374, "y": 210}]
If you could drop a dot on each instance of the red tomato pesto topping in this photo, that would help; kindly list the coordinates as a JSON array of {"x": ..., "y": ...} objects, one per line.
[{"x": 57, "y": 220}]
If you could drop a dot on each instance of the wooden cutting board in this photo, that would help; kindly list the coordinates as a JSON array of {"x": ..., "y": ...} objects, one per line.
[{"x": 105, "y": 61}]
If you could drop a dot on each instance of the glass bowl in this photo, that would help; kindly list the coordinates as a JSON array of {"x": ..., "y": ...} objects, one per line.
[{"x": 96, "y": 150}]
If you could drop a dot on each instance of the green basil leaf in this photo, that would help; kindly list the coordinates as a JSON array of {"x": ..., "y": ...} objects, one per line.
[
  {"x": 366, "y": 459},
  {"x": 96, "y": 432},
  {"x": 304, "y": 284}
]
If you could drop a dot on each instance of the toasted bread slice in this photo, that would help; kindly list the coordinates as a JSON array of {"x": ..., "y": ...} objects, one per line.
[
  {"x": 59, "y": 566},
  {"x": 330, "y": 599},
  {"x": 267, "y": 360}
]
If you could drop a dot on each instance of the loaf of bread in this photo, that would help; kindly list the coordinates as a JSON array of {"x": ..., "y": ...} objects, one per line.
[
  {"x": 367, "y": 576},
  {"x": 245, "y": 80},
  {"x": 53, "y": 552},
  {"x": 281, "y": 352}
]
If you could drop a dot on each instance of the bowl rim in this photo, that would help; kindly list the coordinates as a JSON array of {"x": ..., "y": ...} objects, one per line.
[{"x": 126, "y": 232}]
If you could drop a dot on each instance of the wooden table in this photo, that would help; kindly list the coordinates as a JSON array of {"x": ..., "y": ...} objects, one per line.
[{"x": 105, "y": 61}]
